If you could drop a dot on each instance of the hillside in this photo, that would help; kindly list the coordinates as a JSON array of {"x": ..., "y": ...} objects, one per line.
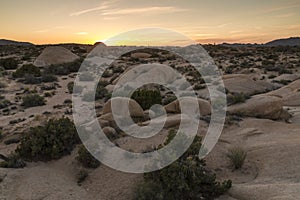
[
  {"x": 292, "y": 41},
  {"x": 12, "y": 42}
]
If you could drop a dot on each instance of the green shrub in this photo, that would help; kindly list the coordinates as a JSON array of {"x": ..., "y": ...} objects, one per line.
[
  {"x": 12, "y": 161},
  {"x": 27, "y": 69},
  {"x": 237, "y": 156},
  {"x": 32, "y": 100},
  {"x": 147, "y": 98},
  {"x": 74, "y": 89},
  {"x": 46, "y": 78},
  {"x": 185, "y": 179},
  {"x": 237, "y": 98},
  {"x": 4, "y": 103},
  {"x": 81, "y": 176},
  {"x": 64, "y": 69},
  {"x": 86, "y": 159},
  {"x": 9, "y": 63},
  {"x": 55, "y": 139},
  {"x": 2, "y": 85}
]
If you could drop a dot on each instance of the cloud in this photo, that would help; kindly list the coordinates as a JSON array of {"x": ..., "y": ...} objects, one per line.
[
  {"x": 82, "y": 33},
  {"x": 285, "y": 15},
  {"x": 151, "y": 10},
  {"x": 282, "y": 7},
  {"x": 103, "y": 5}
]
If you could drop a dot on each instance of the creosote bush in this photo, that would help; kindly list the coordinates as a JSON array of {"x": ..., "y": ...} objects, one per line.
[
  {"x": 86, "y": 159},
  {"x": 185, "y": 179},
  {"x": 9, "y": 63},
  {"x": 27, "y": 69},
  {"x": 237, "y": 156},
  {"x": 53, "y": 140},
  {"x": 32, "y": 100},
  {"x": 147, "y": 98}
]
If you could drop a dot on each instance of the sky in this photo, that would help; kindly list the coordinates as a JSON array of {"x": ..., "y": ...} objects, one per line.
[{"x": 205, "y": 21}]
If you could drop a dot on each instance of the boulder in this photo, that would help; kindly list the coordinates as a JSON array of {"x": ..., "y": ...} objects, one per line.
[
  {"x": 54, "y": 56},
  {"x": 261, "y": 106},
  {"x": 109, "y": 131},
  {"x": 134, "y": 108},
  {"x": 174, "y": 107},
  {"x": 241, "y": 83},
  {"x": 290, "y": 94}
]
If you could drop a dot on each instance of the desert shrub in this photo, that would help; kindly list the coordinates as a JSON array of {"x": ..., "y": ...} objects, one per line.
[
  {"x": 149, "y": 190},
  {"x": 64, "y": 69},
  {"x": 86, "y": 159},
  {"x": 1, "y": 134},
  {"x": 46, "y": 78},
  {"x": 185, "y": 179},
  {"x": 169, "y": 99},
  {"x": 9, "y": 63},
  {"x": 31, "y": 79},
  {"x": 53, "y": 140},
  {"x": 74, "y": 89},
  {"x": 81, "y": 176},
  {"x": 2, "y": 85},
  {"x": 147, "y": 98},
  {"x": 27, "y": 69},
  {"x": 4, "y": 103},
  {"x": 237, "y": 98},
  {"x": 32, "y": 100},
  {"x": 12, "y": 161},
  {"x": 237, "y": 156}
]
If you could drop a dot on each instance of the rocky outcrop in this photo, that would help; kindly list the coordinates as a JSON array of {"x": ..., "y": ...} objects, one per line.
[
  {"x": 134, "y": 108},
  {"x": 54, "y": 56},
  {"x": 261, "y": 106},
  {"x": 174, "y": 107},
  {"x": 241, "y": 83},
  {"x": 290, "y": 94}
]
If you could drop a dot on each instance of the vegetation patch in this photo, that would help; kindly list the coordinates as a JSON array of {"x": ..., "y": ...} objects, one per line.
[
  {"x": 55, "y": 139},
  {"x": 187, "y": 178},
  {"x": 32, "y": 100}
]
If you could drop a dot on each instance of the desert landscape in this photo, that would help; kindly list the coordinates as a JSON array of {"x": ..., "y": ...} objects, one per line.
[
  {"x": 262, "y": 123},
  {"x": 150, "y": 100}
]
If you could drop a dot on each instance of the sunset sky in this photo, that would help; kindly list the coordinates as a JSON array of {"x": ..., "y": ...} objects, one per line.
[{"x": 209, "y": 21}]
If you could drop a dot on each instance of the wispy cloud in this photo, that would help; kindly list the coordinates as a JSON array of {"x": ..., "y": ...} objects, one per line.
[
  {"x": 107, "y": 9},
  {"x": 285, "y": 15},
  {"x": 280, "y": 8},
  {"x": 103, "y": 5},
  {"x": 151, "y": 10},
  {"x": 82, "y": 33}
]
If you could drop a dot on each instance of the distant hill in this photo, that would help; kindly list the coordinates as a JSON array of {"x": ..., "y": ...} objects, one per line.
[
  {"x": 12, "y": 42},
  {"x": 293, "y": 41}
]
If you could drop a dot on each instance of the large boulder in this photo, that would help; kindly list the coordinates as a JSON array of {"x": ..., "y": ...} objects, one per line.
[
  {"x": 290, "y": 94},
  {"x": 241, "y": 83},
  {"x": 134, "y": 108},
  {"x": 174, "y": 107},
  {"x": 262, "y": 106},
  {"x": 54, "y": 55}
]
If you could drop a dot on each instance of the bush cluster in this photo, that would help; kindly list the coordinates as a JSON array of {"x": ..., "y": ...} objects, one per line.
[
  {"x": 185, "y": 179},
  {"x": 55, "y": 139},
  {"x": 64, "y": 69},
  {"x": 147, "y": 98},
  {"x": 9, "y": 63},
  {"x": 27, "y": 69},
  {"x": 32, "y": 100},
  {"x": 86, "y": 159}
]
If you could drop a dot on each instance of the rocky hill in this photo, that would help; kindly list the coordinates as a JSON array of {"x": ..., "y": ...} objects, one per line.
[
  {"x": 292, "y": 41},
  {"x": 12, "y": 42}
]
